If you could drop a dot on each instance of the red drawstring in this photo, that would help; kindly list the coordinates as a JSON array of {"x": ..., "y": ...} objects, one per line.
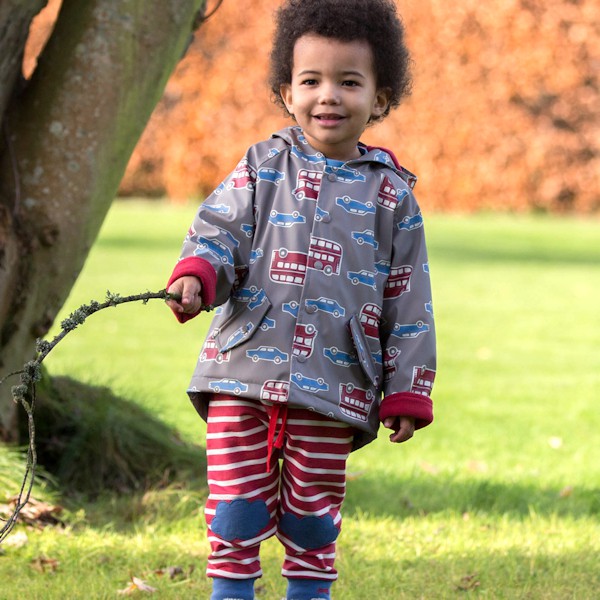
[{"x": 277, "y": 410}]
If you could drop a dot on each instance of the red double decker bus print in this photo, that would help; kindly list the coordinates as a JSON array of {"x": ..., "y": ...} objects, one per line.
[
  {"x": 308, "y": 184},
  {"x": 288, "y": 267},
  {"x": 304, "y": 339},
  {"x": 275, "y": 391},
  {"x": 422, "y": 382},
  {"x": 370, "y": 315},
  {"x": 325, "y": 255},
  {"x": 398, "y": 281},
  {"x": 244, "y": 176}
]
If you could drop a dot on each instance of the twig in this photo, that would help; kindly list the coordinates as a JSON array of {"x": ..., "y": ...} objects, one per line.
[{"x": 25, "y": 393}]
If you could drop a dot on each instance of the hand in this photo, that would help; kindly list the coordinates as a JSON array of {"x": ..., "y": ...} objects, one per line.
[
  {"x": 404, "y": 428},
  {"x": 189, "y": 287}
]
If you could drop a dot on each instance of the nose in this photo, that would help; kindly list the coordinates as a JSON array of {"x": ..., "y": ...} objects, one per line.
[{"x": 329, "y": 93}]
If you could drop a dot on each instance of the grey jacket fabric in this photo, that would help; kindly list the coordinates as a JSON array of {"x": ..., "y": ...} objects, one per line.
[{"x": 322, "y": 285}]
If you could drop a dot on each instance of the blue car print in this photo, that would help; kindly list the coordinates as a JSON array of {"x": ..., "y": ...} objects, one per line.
[
  {"x": 291, "y": 308},
  {"x": 267, "y": 353},
  {"x": 383, "y": 157},
  {"x": 383, "y": 267},
  {"x": 345, "y": 174},
  {"x": 326, "y": 305},
  {"x": 215, "y": 248},
  {"x": 311, "y": 158},
  {"x": 237, "y": 336},
  {"x": 255, "y": 255},
  {"x": 355, "y": 207},
  {"x": 363, "y": 277},
  {"x": 409, "y": 223},
  {"x": 228, "y": 385},
  {"x": 286, "y": 219},
  {"x": 270, "y": 175},
  {"x": 257, "y": 300},
  {"x": 229, "y": 236},
  {"x": 245, "y": 294},
  {"x": 309, "y": 385},
  {"x": 321, "y": 215},
  {"x": 337, "y": 357},
  {"x": 248, "y": 229},
  {"x": 222, "y": 209},
  {"x": 365, "y": 237},
  {"x": 267, "y": 324},
  {"x": 410, "y": 330}
]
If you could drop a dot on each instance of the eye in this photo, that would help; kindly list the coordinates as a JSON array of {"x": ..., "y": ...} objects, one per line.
[
  {"x": 350, "y": 83},
  {"x": 308, "y": 82}
]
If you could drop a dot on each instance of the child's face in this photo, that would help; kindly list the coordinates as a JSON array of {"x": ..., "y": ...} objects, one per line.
[{"x": 333, "y": 93}]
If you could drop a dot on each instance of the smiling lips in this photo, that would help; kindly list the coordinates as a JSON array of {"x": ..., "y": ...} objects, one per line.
[{"x": 329, "y": 119}]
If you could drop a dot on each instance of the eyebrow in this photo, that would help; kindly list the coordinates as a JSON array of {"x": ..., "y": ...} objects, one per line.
[{"x": 344, "y": 73}]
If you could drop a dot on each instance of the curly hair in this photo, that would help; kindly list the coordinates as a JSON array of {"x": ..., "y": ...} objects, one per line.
[{"x": 374, "y": 21}]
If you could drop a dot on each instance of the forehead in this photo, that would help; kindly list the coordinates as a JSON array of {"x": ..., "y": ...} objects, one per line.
[{"x": 318, "y": 53}]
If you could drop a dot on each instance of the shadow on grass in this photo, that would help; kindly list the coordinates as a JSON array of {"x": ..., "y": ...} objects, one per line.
[
  {"x": 93, "y": 442},
  {"x": 424, "y": 495}
]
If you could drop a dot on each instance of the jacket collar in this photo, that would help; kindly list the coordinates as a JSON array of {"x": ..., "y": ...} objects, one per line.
[{"x": 295, "y": 139}]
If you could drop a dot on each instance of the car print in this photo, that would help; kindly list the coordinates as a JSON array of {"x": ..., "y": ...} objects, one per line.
[
  {"x": 381, "y": 156},
  {"x": 267, "y": 353},
  {"x": 410, "y": 330},
  {"x": 291, "y": 308},
  {"x": 345, "y": 174},
  {"x": 363, "y": 277},
  {"x": 215, "y": 248},
  {"x": 319, "y": 157},
  {"x": 286, "y": 219},
  {"x": 383, "y": 267},
  {"x": 229, "y": 236},
  {"x": 326, "y": 305},
  {"x": 365, "y": 237},
  {"x": 337, "y": 357},
  {"x": 309, "y": 385},
  {"x": 245, "y": 294},
  {"x": 238, "y": 336},
  {"x": 355, "y": 207},
  {"x": 222, "y": 209},
  {"x": 410, "y": 223},
  {"x": 273, "y": 152},
  {"x": 257, "y": 300},
  {"x": 267, "y": 324},
  {"x": 321, "y": 215},
  {"x": 255, "y": 255},
  {"x": 248, "y": 229},
  {"x": 429, "y": 307},
  {"x": 228, "y": 385},
  {"x": 220, "y": 189},
  {"x": 271, "y": 175}
]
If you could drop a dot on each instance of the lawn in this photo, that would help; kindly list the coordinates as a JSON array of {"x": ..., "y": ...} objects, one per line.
[{"x": 499, "y": 498}]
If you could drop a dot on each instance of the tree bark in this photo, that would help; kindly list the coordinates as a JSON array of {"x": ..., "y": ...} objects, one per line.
[{"x": 67, "y": 138}]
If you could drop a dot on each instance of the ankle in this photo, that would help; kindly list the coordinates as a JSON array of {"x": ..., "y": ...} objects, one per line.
[{"x": 232, "y": 589}]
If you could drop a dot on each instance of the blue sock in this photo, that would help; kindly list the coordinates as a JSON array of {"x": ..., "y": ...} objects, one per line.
[
  {"x": 308, "y": 589},
  {"x": 232, "y": 589}
]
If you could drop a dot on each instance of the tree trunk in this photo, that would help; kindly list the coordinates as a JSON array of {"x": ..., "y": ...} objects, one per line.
[{"x": 68, "y": 136}]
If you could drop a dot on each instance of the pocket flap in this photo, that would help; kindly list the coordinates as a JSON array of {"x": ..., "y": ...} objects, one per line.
[
  {"x": 242, "y": 324},
  {"x": 363, "y": 352}
]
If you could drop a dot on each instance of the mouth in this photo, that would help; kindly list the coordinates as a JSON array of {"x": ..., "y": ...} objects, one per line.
[{"x": 329, "y": 117}]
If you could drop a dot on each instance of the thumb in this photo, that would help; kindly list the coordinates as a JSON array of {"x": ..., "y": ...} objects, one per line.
[{"x": 388, "y": 422}]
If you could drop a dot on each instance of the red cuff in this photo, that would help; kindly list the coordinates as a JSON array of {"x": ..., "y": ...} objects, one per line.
[
  {"x": 205, "y": 272},
  {"x": 408, "y": 404}
]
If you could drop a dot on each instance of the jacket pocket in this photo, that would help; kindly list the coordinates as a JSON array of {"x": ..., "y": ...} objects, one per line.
[
  {"x": 363, "y": 350},
  {"x": 241, "y": 323}
]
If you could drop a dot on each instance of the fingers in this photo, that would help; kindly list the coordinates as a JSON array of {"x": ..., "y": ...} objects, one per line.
[
  {"x": 404, "y": 428},
  {"x": 189, "y": 289}
]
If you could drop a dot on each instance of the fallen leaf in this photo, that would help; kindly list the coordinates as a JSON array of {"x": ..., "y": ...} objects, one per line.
[
  {"x": 172, "y": 572},
  {"x": 566, "y": 491},
  {"x": 137, "y": 585},
  {"x": 36, "y": 513},
  {"x": 43, "y": 564},
  {"x": 468, "y": 583}
]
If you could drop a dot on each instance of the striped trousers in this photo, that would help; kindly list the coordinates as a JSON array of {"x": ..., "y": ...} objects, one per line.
[{"x": 252, "y": 496}]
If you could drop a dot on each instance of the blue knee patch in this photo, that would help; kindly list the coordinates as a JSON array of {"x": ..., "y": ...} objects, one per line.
[
  {"x": 240, "y": 519},
  {"x": 309, "y": 532}
]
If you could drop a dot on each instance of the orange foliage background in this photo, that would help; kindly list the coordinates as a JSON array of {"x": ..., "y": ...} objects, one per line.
[{"x": 505, "y": 112}]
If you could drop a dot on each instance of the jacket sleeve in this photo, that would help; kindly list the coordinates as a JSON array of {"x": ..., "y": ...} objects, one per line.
[
  {"x": 407, "y": 326},
  {"x": 217, "y": 246}
]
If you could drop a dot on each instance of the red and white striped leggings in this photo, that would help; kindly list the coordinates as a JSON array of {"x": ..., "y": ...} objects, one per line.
[{"x": 251, "y": 497}]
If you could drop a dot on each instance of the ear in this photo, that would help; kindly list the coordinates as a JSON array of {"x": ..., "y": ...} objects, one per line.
[
  {"x": 381, "y": 102},
  {"x": 285, "y": 91}
]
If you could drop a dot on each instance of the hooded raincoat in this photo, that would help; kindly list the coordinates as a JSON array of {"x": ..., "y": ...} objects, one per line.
[{"x": 320, "y": 273}]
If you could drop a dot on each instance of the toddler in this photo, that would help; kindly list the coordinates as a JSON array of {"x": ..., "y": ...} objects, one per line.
[{"x": 313, "y": 251}]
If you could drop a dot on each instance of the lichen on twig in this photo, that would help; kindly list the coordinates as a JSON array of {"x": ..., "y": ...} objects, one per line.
[{"x": 24, "y": 393}]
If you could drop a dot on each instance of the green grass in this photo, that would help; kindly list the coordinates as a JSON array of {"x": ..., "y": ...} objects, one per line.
[{"x": 499, "y": 498}]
